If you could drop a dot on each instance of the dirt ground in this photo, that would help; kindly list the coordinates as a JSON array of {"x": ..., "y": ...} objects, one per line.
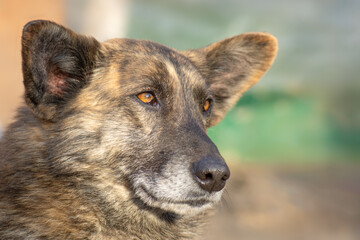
[{"x": 315, "y": 202}]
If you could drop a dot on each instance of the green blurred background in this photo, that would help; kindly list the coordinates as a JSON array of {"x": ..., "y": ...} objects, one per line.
[{"x": 306, "y": 108}]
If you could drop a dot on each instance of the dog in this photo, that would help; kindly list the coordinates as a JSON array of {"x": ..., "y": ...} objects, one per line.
[{"x": 111, "y": 142}]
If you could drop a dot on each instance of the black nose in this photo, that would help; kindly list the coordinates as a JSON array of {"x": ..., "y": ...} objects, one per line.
[{"x": 211, "y": 173}]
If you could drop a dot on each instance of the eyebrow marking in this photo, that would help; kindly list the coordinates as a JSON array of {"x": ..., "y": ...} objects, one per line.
[{"x": 172, "y": 71}]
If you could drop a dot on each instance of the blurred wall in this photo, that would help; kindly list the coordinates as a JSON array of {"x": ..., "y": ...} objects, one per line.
[
  {"x": 102, "y": 19},
  {"x": 14, "y": 15}
]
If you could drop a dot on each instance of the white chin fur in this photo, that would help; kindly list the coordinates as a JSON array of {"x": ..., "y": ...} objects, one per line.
[
  {"x": 174, "y": 190},
  {"x": 179, "y": 206}
]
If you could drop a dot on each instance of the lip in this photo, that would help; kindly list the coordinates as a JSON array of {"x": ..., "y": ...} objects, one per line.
[{"x": 191, "y": 202}]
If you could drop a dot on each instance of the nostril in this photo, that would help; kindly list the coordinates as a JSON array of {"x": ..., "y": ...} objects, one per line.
[
  {"x": 225, "y": 177},
  {"x": 204, "y": 175},
  {"x": 208, "y": 176}
]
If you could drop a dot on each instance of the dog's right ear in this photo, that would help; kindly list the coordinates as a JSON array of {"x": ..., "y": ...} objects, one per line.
[
  {"x": 232, "y": 66},
  {"x": 56, "y": 65}
]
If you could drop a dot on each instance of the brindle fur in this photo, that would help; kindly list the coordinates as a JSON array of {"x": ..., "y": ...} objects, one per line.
[{"x": 86, "y": 159}]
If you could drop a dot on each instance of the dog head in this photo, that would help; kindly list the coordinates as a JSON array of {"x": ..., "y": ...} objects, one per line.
[{"x": 138, "y": 109}]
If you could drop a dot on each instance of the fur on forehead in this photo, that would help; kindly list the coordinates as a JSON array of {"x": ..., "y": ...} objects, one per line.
[{"x": 158, "y": 62}]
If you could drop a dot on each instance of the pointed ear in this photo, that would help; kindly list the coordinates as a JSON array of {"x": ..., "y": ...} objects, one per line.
[
  {"x": 232, "y": 66},
  {"x": 56, "y": 64}
]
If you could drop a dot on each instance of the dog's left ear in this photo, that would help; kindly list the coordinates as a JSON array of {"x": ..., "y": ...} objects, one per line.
[{"x": 232, "y": 66}]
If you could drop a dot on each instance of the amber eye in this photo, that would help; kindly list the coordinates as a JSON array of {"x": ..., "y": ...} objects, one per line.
[
  {"x": 148, "y": 98},
  {"x": 206, "y": 106}
]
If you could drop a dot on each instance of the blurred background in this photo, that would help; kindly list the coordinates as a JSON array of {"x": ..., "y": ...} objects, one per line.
[{"x": 293, "y": 140}]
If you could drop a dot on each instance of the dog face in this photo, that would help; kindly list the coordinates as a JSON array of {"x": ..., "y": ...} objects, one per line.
[{"x": 139, "y": 110}]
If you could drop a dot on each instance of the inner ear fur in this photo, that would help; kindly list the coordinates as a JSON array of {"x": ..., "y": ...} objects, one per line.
[
  {"x": 232, "y": 66},
  {"x": 56, "y": 64}
]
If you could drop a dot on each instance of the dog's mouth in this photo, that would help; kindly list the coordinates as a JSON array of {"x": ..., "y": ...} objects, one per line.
[
  {"x": 197, "y": 202},
  {"x": 184, "y": 206}
]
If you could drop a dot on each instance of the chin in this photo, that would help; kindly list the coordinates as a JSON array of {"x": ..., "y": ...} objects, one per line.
[{"x": 185, "y": 204}]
